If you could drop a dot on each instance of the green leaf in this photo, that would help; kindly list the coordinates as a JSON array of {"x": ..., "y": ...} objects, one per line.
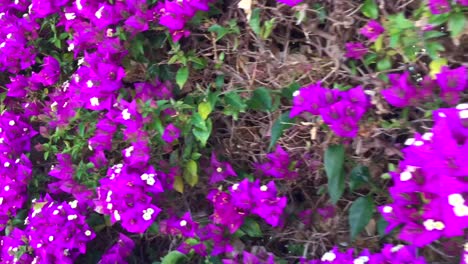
[
  {"x": 436, "y": 66},
  {"x": 359, "y": 175},
  {"x": 204, "y": 109},
  {"x": 202, "y": 134},
  {"x": 370, "y": 9},
  {"x": 251, "y": 228},
  {"x": 381, "y": 226},
  {"x": 268, "y": 28},
  {"x": 384, "y": 64},
  {"x": 191, "y": 173},
  {"x": 433, "y": 48},
  {"x": 360, "y": 214},
  {"x": 433, "y": 34},
  {"x": 198, "y": 122},
  {"x": 182, "y": 76},
  {"x": 378, "y": 45},
  {"x": 261, "y": 100},
  {"x": 178, "y": 184},
  {"x": 282, "y": 123},
  {"x": 219, "y": 30},
  {"x": 456, "y": 24},
  {"x": 288, "y": 91},
  {"x": 255, "y": 21},
  {"x": 174, "y": 257},
  {"x": 233, "y": 99},
  {"x": 334, "y": 168}
]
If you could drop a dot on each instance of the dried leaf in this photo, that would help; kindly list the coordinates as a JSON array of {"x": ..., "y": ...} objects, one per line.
[{"x": 246, "y": 5}]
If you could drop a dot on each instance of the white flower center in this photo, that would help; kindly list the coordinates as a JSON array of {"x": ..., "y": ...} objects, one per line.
[
  {"x": 329, "y": 256},
  {"x": 387, "y": 209},
  {"x": 98, "y": 13},
  {"x": 126, "y": 115},
  {"x": 94, "y": 101},
  {"x": 406, "y": 176}
]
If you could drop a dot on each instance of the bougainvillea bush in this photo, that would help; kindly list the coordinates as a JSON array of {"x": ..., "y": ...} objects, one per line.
[{"x": 203, "y": 131}]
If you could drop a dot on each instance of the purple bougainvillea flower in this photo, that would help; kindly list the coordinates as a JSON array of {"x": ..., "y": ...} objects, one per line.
[
  {"x": 372, "y": 30},
  {"x": 220, "y": 170},
  {"x": 119, "y": 251},
  {"x": 50, "y": 72},
  {"x": 184, "y": 226},
  {"x": 327, "y": 211},
  {"x": 402, "y": 92},
  {"x": 452, "y": 82},
  {"x": 171, "y": 133},
  {"x": 307, "y": 99},
  {"x": 439, "y": 6},
  {"x": 462, "y": 2},
  {"x": 278, "y": 165},
  {"x": 355, "y": 50},
  {"x": 290, "y": 2},
  {"x": 268, "y": 206}
]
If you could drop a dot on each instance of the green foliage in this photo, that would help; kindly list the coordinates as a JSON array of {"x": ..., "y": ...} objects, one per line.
[
  {"x": 334, "y": 168},
  {"x": 174, "y": 257},
  {"x": 281, "y": 124},
  {"x": 359, "y": 176},
  {"x": 182, "y": 76},
  {"x": 251, "y": 228},
  {"x": 456, "y": 24},
  {"x": 370, "y": 9},
  {"x": 360, "y": 213},
  {"x": 191, "y": 173},
  {"x": 261, "y": 100}
]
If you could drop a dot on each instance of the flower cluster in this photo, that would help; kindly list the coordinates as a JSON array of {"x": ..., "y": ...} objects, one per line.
[
  {"x": 64, "y": 172},
  {"x": 290, "y": 2},
  {"x": 450, "y": 83},
  {"x": 244, "y": 198},
  {"x": 15, "y": 166},
  {"x": 126, "y": 195},
  {"x": 341, "y": 110},
  {"x": 399, "y": 254},
  {"x": 175, "y": 14},
  {"x": 55, "y": 233},
  {"x": 430, "y": 189},
  {"x": 372, "y": 30},
  {"x": 220, "y": 170},
  {"x": 443, "y": 6},
  {"x": 119, "y": 251},
  {"x": 279, "y": 165},
  {"x": 355, "y": 50}
]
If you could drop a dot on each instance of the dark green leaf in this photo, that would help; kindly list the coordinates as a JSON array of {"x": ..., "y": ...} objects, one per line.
[
  {"x": 381, "y": 226},
  {"x": 359, "y": 175},
  {"x": 370, "y": 9},
  {"x": 219, "y": 30},
  {"x": 282, "y": 123},
  {"x": 261, "y": 100},
  {"x": 233, "y": 99},
  {"x": 251, "y": 228},
  {"x": 360, "y": 214},
  {"x": 174, "y": 257},
  {"x": 334, "y": 168},
  {"x": 288, "y": 92}
]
